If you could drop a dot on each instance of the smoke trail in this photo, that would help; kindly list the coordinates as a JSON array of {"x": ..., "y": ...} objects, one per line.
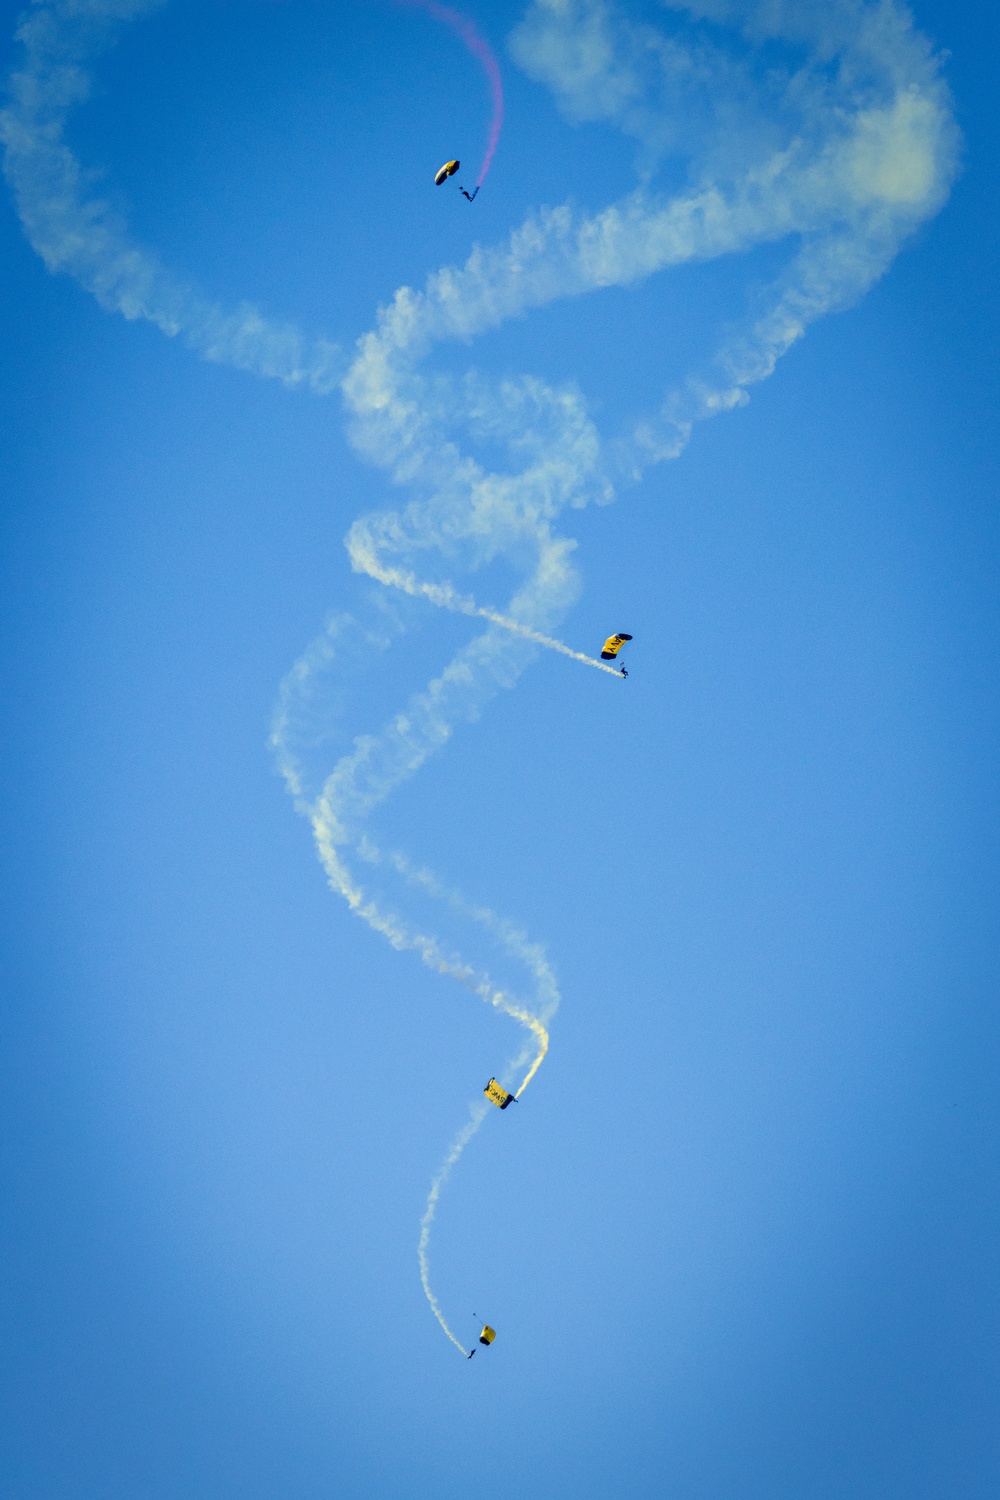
[
  {"x": 79, "y": 234},
  {"x": 465, "y": 28},
  {"x": 458, "y": 1145},
  {"x": 345, "y": 798},
  {"x": 824, "y": 127},
  {"x": 445, "y": 597}
]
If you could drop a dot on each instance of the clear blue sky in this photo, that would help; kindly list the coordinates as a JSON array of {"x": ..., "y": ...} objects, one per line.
[{"x": 740, "y": 1237}]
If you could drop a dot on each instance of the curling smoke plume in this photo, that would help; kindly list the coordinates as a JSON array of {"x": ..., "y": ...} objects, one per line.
[{"x": 821, "y": 129}]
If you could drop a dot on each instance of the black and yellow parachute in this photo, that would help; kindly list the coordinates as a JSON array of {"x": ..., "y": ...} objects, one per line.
[
  {"x": 486, "y": 1337},
  {"x": 499, "y": 1097},
  {"x": 613, "y": 645},
  {"x": 448, "y": 170}
]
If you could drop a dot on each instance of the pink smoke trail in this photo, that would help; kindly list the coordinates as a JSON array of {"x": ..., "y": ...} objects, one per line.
[{"x": 464, "y": 28}]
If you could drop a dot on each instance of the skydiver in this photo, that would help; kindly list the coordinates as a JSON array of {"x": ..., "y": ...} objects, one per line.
[
  {"x": 471, "y": 195},
  {"x": 624, "y": 673}
]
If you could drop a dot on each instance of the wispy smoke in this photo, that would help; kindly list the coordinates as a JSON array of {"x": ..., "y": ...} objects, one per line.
[
  {"x": 467, "y": 31},
  {"x": 80, "y": 234},
  {"x": 819, "y": 126}
]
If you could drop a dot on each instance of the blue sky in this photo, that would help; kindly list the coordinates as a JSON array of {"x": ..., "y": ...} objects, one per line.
[{"x": 739, "y": 1237}]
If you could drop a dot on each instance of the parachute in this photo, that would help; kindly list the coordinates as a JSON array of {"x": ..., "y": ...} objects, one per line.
[
  {"x": 466, "y": 31},
  {"x": 486, "y": 1337},
  {"x": 500, "y": 1098},
  {"x": 448, "y": 170},
  {"x": 613, "y": 645}
]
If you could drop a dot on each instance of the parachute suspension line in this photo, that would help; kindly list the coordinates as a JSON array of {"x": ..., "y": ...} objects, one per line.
[{"x": 445, "y": 597}]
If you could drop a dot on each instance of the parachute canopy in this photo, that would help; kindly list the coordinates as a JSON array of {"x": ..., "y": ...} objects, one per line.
[
  {"x": 488, "y": 1334},
  {"x": 613, "y": 645},
  {"x": 448, "y": 170},
  {"x": 499, "y": 1097}
]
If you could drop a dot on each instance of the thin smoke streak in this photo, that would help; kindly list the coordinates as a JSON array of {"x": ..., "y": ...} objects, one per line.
[
  {"x": 466, "y": 30},
  {"x": 458, "y": 1145},
  {"x": 445, "y": 597}
]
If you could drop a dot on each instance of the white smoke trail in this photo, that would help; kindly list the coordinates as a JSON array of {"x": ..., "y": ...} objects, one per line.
[
  {"x": 445, "y": 597},
  {"x": 358, "y": 783},
  {"x": 77, "y": 233},
  {"x": 820, "y": 125},
  {"x": 458, "y": 1145}
]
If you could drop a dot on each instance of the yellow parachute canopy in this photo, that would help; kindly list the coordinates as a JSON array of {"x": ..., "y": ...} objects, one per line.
[
  {"x": 488, "y": 1334},
  {"x": 497, "y": 1095},
  {"x": 613, "y": 645},
  {"x": 448, "y": 170}
]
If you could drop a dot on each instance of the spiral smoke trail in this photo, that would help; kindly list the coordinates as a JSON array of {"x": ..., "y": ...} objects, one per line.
[{"x": 822, "y": 126}]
